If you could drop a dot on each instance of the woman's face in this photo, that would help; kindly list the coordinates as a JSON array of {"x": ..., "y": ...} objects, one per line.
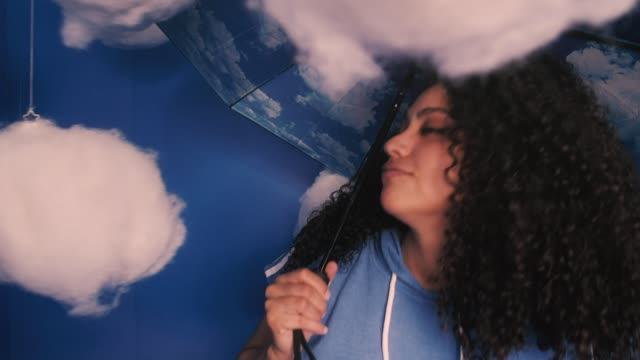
[{"x": 414, "y": 181}]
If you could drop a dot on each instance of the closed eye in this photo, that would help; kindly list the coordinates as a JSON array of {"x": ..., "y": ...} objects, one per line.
[{"x": 426, "y": 130}]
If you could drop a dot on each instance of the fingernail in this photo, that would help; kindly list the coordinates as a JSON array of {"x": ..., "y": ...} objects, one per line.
[
  {"x": 325, "y": 330},
  {"x": 327, "y": 294}
]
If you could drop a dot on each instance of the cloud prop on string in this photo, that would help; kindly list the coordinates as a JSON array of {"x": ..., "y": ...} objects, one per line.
[
  {"x": 84, "y": 214},
  {"x": 325, "y": 183},
  {"x": 123, "y": 23},
  {"x": 341, "y": 39}
]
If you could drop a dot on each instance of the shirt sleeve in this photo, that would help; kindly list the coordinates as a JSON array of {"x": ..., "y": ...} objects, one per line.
[{"x": 274, "y": 269}]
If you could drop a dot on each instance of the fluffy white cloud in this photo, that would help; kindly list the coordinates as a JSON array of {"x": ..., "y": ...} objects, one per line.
[
  {"x": 83, "y": 211},
  {"x": 341, "y": 39},
  {"x": 325, "y": 183},
  {"x": 116, "y": 22}
]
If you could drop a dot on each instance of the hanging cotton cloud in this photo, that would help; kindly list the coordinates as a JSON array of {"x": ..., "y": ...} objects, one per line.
[
  {"x": 341, "y": 39},
  {"x": 116, "y": 22},
  {"x": 325, "y": 184},
  {"x": 84, "y": 213}
]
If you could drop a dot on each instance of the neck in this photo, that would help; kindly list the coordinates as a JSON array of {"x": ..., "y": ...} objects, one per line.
[{"x": 421, "y": 248}]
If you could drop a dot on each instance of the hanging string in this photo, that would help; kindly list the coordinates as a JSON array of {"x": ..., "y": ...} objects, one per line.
[{"x": 31, "y": 114}]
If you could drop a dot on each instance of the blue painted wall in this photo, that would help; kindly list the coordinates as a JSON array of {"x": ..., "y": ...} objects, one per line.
[{"x": 241, "y": 185}]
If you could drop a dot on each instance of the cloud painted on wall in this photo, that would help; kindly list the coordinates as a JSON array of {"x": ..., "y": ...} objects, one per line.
[{"x": 84, "y": 215}]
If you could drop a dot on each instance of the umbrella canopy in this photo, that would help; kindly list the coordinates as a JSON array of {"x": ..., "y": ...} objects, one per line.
[{"x": 249, "y": 63}]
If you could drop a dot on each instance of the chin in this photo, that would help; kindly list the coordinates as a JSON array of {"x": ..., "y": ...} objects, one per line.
[
  {"x": 407, "y": 208},
  {"x": 393, "y": 205}
]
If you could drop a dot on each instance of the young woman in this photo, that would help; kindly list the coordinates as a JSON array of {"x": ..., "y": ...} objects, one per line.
[{"x": 503, "y": 223}]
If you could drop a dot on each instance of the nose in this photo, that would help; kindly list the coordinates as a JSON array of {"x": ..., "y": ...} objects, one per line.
[{"x": 397, "y": 146}]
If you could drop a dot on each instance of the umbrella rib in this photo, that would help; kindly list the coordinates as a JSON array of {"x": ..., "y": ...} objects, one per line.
[
  {"x": 298, "y": 337},
  {"x": 262, "y": 84},
  {"x": 614, "y": 41},
  {"x": 281, "y": 138},
  {"x": 335, "y": 103},
  {"x": 367, "y": 163}
]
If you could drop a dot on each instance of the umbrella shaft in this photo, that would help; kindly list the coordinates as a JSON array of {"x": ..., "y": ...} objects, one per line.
[{"x": 369, "y": 161}]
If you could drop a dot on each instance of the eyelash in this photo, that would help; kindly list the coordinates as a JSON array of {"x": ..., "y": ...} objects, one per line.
[{"x": 426, "y": 130}]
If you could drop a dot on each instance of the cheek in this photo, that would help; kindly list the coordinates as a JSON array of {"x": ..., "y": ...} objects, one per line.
[
  {"x": 397, "y": 200},
  {"x": 435, "y": 180}
]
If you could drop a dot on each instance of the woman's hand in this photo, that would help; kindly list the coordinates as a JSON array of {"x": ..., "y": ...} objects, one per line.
[{"x": 296, "y": 300}]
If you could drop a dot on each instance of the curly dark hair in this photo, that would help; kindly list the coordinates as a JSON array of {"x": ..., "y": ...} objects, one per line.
[{"x": 543, "y": 233}]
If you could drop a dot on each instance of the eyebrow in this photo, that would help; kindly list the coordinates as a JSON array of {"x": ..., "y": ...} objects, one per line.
[
  {"x": 424, "y": 112},
  {"x": 428, "y": 110}
]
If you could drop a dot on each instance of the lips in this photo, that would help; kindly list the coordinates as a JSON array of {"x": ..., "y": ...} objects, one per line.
[{"x": 390, "y": 171}]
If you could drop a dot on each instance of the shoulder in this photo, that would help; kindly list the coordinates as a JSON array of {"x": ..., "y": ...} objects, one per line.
[{"x": 370, "y": 249}]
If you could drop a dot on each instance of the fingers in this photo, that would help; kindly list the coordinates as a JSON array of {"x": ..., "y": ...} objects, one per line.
[
  {"x": 331, "y": 270},
  {"x": 300, "y": 296},
  {"x": 297, "y": 300},
  {"x": 284, "y": 324},
  {"x": 294, "y": 312},
  {"x": 305, "y": 276},
  {"x": 295, "y": 305}
]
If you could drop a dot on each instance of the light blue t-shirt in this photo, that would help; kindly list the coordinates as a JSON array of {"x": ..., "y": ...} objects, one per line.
[{"x": 379, "y": 310}]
